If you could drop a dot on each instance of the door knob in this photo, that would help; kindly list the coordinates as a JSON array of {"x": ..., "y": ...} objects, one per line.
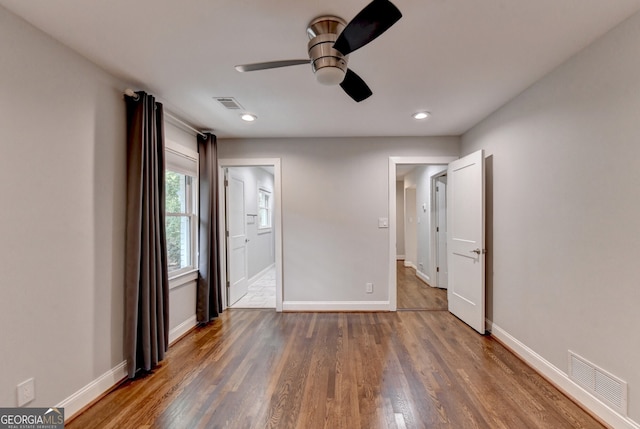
[{"x": 478, "y": 251}]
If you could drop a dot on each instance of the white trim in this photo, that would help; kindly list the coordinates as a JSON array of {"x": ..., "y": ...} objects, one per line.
[
  {"x": 276, "y": 220},
  {"x": 260, "y": 274},
  {"x": 183, "y": 278},
  {"x": 400, "y": 258},
  {"x": 393, "y": 161},
  {"x": 562, "y": 381},
  {"x": 89, "y": 393},
  {"x": 182, "y": 329},
  {"x": 335, "y": 306},
  {"x": 422, "y": 276},
  {"x": 409, "y": 264}
]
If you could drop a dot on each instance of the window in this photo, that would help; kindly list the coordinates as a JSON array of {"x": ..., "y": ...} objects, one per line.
[
  {"x": 264, "y": 209},
  {"x": 181, "y": 186}
]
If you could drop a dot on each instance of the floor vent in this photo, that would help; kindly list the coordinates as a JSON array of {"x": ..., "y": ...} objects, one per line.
[
  {"x": 229, "y": 102},
  {"x": 608, "y": 388}
]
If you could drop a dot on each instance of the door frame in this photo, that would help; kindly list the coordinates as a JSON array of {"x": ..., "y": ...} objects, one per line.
[
  {"x": 393, "y": 162},
  {"x": 277, "y": 219},
  {"x": 434, "y": 243}
]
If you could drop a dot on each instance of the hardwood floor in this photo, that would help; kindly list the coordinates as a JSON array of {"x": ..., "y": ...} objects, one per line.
[
  {"x": 262, "y": 369},
  {"x": 415, "y": 294}
]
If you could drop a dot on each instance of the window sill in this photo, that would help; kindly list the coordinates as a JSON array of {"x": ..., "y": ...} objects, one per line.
[{"x": 182, "y": 279}]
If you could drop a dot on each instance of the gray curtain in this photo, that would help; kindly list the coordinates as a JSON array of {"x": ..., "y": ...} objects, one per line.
[
  {"x": 209, "y": 301},
  {"x": 146, "y": 278}
]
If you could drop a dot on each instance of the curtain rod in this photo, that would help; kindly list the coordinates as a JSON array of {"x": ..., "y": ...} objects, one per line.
[{"x": 130, "y": 93}]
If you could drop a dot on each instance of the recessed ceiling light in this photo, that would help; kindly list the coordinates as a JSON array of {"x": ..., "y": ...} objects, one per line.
[
  {"x": 249, "y": 117},
  {"x": 421, "y": 115}
]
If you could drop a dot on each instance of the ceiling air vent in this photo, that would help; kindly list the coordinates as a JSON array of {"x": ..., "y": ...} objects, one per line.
[
  {"x": 606, "y": 387},
  {"x": 229, "y": 102}
]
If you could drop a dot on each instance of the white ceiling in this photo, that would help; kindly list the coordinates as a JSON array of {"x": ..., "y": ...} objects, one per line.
[{"x": 459, "y": 59}]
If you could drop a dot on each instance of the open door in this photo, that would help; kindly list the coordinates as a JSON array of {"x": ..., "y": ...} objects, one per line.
[
  {"x": 465, "y": 244},
  {"x": 237, "y": 281}
]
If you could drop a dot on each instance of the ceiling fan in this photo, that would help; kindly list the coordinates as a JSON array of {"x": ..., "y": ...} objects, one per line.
[{"x": 331, "y": 40}]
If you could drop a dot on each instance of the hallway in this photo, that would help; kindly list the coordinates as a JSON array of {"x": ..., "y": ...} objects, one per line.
[{"x": 414, "y": 294}]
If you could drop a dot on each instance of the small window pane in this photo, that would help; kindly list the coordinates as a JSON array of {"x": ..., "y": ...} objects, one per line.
[
  {"x": 178, "y": 242},
  {"x": 176, "y": 192},
  {"x": 264, "y": 209}
]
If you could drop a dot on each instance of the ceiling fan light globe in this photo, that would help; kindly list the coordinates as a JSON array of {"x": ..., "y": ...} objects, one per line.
[{"x": 330, "y": 76}]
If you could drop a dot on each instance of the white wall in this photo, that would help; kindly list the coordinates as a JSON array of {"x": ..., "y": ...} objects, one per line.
[
  {"x": 261, "y": 245},
  {"x": 333, "y": 192},
  {"x": 62, "y": 216},
  {"x": 400, "y": 253},
  {"x": 565, "y": 210}
]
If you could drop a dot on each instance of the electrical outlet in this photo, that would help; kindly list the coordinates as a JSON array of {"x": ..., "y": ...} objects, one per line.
[
  {"x": 26, "y": 392},
  {"x": 369, "y": 287}
]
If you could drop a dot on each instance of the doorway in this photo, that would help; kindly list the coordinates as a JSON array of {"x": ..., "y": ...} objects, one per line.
[
  {"x": 416, "y": 275},
  {"x": 250, "y": 238},
  {"x": 465, "y": 220},
  {"x": 412, "y": 279}
]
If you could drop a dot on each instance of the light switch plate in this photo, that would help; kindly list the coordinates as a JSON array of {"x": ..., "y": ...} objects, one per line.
[{"x": 383, "y": 222}]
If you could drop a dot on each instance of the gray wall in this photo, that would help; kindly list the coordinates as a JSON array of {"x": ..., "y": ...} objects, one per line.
[
  {"x": 565, "y": 209},
  {"x": 400, "y": 219},
  {"x": 333, "y": 192},
  {"x": 420, "y": 178},
  {"x": 410, "y": 228},
  {"x": 62, "y": 216}
]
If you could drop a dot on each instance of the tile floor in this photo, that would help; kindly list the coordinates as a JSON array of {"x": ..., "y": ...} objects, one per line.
[{"x": 262, "y": 292}]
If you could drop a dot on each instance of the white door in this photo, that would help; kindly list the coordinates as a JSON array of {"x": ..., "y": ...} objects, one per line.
[
  {"x": 236, "y": 239},
  {"x": 466, "y": 253},
  {"x": 441, "y": 232}
]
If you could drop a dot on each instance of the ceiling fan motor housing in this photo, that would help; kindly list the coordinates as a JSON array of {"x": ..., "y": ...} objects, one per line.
[{"x": 329, "y": 65}]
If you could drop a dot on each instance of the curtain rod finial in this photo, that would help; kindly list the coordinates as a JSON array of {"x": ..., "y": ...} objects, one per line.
[{"x": 130, "y": 93}]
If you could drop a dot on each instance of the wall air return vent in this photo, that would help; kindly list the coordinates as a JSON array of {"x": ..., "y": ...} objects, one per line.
[
  {"x": 606, "y": 387},
  {"x": 229, "y": 102}
]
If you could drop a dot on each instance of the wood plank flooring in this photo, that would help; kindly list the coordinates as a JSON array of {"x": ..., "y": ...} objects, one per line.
[
  {"x": 415, "y": 294},
  {"x": 262, "y": 369}
]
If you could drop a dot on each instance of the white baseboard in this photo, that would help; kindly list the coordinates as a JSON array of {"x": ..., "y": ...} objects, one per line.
[
  {"x": 335, "y": 306},
  {"x": 562, "y": 380},
  {"x": 261, "y": 273},
  {"x": 422, "y": 276},
  {"x": 89, "y": 393},
  {"x": 182, "y": 329},
  {"x": 399, "y": 257},
  {"x": 409, "y": 264}
]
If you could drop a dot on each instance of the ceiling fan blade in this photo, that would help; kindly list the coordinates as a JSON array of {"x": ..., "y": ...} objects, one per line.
[
  {"x": 355, "y": 87},
  {"x": 376, "y": 18},
  {"x": 270, "y": 65}
]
